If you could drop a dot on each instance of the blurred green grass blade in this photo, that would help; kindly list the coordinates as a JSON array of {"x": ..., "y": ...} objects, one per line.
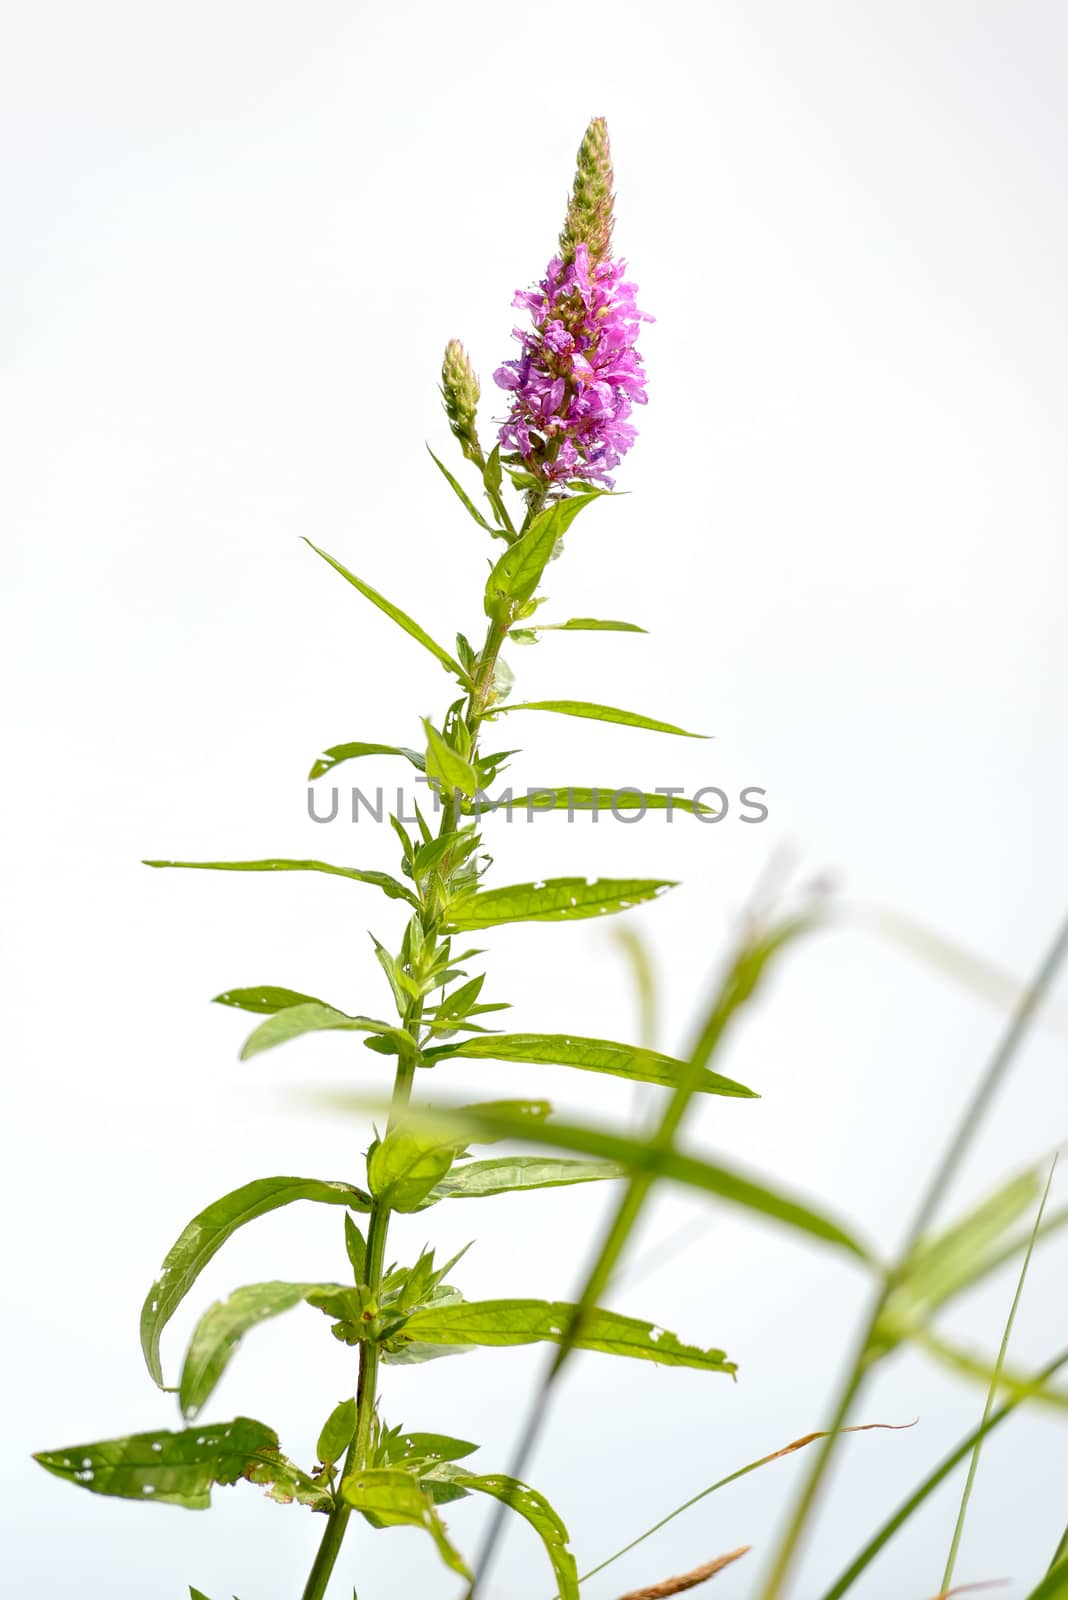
[
  {"x": 1054, "y": 1586},
  {"x": 944, "y": 1264},
  {"x": 493, "y": 1122},
  {"x": 732, "y": 1477},
  {"x": 920, "y": 1494},
  {"x": 973, "y": 1465},
  {"x": 968, "y": 1365},
  {"x": 745, "y": 967},
  {"x": 954, "y": 960},
  {"x": 644, "y": 984}
]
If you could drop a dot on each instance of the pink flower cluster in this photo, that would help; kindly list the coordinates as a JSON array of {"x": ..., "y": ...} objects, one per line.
[{"x": 579, "y": 372}]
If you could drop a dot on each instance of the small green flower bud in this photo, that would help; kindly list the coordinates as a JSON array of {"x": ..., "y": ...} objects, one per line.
[
  {"x": 460, "y": 392},
  {"x": 589, "y": 211}
]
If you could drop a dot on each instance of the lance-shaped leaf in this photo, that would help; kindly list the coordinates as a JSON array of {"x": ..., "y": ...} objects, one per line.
[
  {"x": 528, "y": 1503},
  {"x": 518, "y": 572},
  {"x": 223, "y": 1326},
  {"x": 390, "y": 1497},
  {"x": 462, "y": 495},
  {"x": 597, "y": 713},
  {"x": 596, "y": 801},
  {"x": 315, "y": 1017},
  {"x": 584, "y": 625},
  {"x": 405, "y": 1167},
  {"x": 337, "y": 753},
  {"x": 590, "y": 1055},
  {"x": 380, "y": 880},
  {"x": 337, "y": 1432},
  {"x": 434, "y": 1447},
  {"x": 401, "y": 618},
  {"x": 209, "y": 1231},
  {"x": 508, "y": 1174},
  {"x": 182, "y": 1468},
  {"x": 491, "y": 1122},
  {"x": 265, "y": 998},
  {"x": 516, "y": 1322},
  {"x": 554, "y": 900}
]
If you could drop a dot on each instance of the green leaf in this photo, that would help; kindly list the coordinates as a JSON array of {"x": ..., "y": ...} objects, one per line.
[
  {"x": 991, "y": 1397},
  {"x": 221, "y": 1329},
  {"x": 405, "y": 1166},
  {"x": 401, "y": 618},
  {"x": 1054, "y": 1586},
  {"x": 380, "y": 880},
  {"x": 425, "y": 1447},
  {"x": 182, "y": 1468},
  {"x": 968, "y": 1365},
  {"x": 209, "y": 1231},
  {"x": 597, "y": 800},
  {"x": 506, "y": 1174},
  {"x": 337, "y": 1434},
  {"x": 596, "y": 713},
  {"x": 528, "y": 1503},
  {"x": 315, "y": 1017},
  {"x": 586, "y": 625},
  {"x": 553, "y": 900},
  {"x": 518, "y": 572},
  {"x": 355, "y": 1248},
  {"x": 468, "y": 504},
  {"x": 338, "y": 753},
  {"x": 943, "y": 1266},
  {"x": 446, "y": 765},
  {"x": 391, "y": 1497},
  {"x": 517, "y": 1322},
  {"x": 590, "y": 1055},
  {"x": 264, "y": 998}
]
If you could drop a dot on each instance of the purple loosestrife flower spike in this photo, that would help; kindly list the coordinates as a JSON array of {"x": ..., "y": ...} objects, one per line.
[
  {"x": 460, "y": 391},
  {"x": 579, "y": 372}
]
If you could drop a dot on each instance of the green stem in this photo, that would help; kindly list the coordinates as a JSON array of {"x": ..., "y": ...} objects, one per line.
[
  {"x": 367, "y": 1382},
  {"x": 378, "y": 1219}
]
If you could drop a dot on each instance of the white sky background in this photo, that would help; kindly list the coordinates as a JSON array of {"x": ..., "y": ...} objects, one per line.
[{"x": 237, "y": 237}]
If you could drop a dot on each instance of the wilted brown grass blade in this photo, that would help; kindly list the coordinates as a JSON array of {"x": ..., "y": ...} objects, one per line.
[
  {"x": 972, "y": 1588},
  {"x": 688, "y": 1580}
]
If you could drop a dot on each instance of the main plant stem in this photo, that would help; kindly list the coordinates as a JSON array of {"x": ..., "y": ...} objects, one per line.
[{"x": 378, "y": 1219}]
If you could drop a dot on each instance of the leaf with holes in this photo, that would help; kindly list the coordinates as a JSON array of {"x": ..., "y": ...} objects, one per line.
[
  {"x": 182, "y": 1468},
  {"x": 554, "y": 900},
  {"x": 517, "y": 1322},
  {"x": 589, "y": 1055}
]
